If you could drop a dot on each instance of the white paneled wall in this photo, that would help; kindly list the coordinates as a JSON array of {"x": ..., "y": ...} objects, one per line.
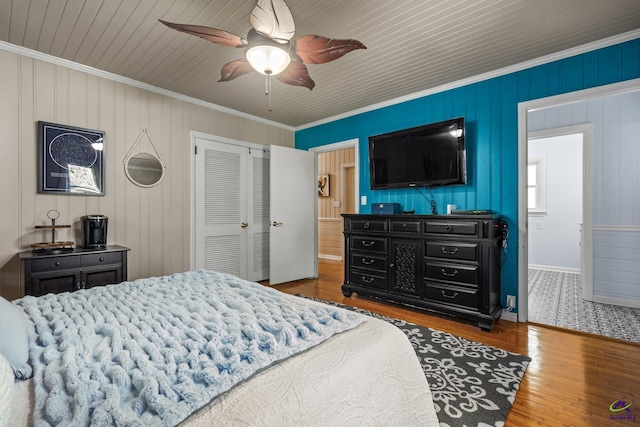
[
  {"x": 153, "y": 222},
  {"x": 616, "y": 265},
  {"x": 616, "y": 184}
]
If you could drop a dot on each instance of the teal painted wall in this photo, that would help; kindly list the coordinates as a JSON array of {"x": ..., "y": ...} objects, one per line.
[{"x": 490, "y": 109}]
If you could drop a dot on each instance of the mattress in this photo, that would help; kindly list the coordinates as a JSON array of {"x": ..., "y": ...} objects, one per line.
[{"x": 365, "y": 376}]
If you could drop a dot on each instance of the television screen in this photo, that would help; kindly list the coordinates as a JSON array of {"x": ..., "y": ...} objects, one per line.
[{"x": 423, "y": 156}]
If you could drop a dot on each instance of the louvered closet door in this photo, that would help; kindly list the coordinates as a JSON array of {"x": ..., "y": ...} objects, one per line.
[
  {"x": 221, "y": 207},
  {"x": 258, "y": 216}
]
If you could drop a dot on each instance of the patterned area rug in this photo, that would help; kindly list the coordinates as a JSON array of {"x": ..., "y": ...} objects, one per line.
[
  {"x": 555, "y": 298},
  {"x": 472, "y": 384}
]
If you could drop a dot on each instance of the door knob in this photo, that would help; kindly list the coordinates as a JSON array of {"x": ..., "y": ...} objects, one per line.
[
  {"x": 244, "y": 225},
  {"x": 276, "y": 223}
]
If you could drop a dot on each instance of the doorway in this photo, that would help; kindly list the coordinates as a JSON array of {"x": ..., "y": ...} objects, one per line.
[
  {"x": 570, "y": 103},
  {"x": 556, "y": 176},
  {"x": 338, "y": 167}
]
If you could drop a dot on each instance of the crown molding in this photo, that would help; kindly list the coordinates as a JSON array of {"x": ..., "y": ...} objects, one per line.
[
  {"x": 610, "y": 41},
  {"x": 30, "y": 53}
]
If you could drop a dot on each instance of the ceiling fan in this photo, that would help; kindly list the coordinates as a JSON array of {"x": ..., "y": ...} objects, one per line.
[{"x": 270, "y": 47}]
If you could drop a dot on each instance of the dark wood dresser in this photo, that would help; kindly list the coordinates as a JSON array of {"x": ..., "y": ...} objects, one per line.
[
  {"x": 446, "y": 264},
  {"x": 72, "y": 270}
]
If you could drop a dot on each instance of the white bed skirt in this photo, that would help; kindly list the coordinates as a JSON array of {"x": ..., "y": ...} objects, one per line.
[{"x": 367, "y": 376}]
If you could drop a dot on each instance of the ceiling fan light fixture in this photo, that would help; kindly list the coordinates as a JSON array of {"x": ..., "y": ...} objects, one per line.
[{"x": 268, "y": 59}]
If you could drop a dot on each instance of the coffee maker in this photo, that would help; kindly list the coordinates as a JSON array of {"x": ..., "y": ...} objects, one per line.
[{"x": 94, "y": 231}]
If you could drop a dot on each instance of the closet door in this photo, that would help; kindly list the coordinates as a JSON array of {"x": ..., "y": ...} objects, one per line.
[
  {"x": 258, "y": 216},
  {"x": 221, "y": 207}
]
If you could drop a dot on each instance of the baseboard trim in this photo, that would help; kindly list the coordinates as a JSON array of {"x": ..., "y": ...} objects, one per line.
[
  {"x": 331, "y": 257},
  {"x": 624, "y": 302},
  {"x": 509, "y": 316},
  {"x": 554, "y": 268}
]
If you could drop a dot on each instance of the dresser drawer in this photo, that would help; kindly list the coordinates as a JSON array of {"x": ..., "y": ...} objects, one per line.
[
  {"x": 370, "y": 280},
  {"x": 54, "y": 263},
  {"x": 455, "y": 273},
  {"x": 405, "y": 226},
  {"x": 377, "y": 244},
  {"x": 466, "y": 297},
  {"x": 95, "y": 260},
  {"x": 379, "y": 225},
  {"x": 369, "y": 262},
  {"x": 453, "y": 250},
  {"x": 452, "y": 227}
]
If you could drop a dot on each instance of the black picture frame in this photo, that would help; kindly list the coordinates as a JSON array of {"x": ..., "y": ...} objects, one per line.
[{"x": 70, "y": 160}]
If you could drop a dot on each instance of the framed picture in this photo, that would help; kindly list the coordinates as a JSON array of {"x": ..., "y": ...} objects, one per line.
[
  {"x": 323, "y": 184},
  {"x": 70, "y": 160}
]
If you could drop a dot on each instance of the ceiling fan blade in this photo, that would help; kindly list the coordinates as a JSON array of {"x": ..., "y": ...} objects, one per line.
[
  {"x": 319, "y": 50},
  {"x": 234, "y": 69},
  {"x": 214, "y": 35},
  {"x": 296, "y": 74},
  {"x": 273, "y": 19}
]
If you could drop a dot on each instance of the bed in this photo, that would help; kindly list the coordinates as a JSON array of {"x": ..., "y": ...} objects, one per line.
[{"x": 204, "y": 348}]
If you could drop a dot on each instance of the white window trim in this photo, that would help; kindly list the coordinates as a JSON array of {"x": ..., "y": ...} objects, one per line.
[{"x": 541, "y": 185}]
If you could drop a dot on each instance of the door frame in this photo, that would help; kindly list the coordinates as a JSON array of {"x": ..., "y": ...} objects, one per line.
[
  {"x": 193, "y": 135},
  {"x": 355, "y": 143},
  {"x": 523, "y": 109}
]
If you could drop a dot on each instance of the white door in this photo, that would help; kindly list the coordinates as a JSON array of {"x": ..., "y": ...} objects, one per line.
[
  {"x": 293, "y": 241},
  {"x": 221, "y": 207}
]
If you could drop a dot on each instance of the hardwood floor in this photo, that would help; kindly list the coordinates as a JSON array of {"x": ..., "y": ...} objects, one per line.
[{"x": 572, "y": 379}]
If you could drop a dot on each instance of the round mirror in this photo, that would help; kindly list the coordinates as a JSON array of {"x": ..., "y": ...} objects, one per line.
[{"x": 144, "y": 169}]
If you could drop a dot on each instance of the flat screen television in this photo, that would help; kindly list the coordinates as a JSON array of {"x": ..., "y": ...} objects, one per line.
[{"x": 424, "y": 156}]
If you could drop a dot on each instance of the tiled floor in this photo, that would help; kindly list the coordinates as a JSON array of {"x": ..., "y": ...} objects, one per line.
[{"x": 555, "y": 299}]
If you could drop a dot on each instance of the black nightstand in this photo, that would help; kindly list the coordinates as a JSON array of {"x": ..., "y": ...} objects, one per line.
[{"x": 72, "y": 270}]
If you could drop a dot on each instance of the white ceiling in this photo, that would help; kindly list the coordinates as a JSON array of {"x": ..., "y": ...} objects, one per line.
[{"x": 412, "y": 45}]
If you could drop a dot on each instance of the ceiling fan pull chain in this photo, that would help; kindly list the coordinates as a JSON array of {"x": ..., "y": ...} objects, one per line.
[{"x": 268, "y": 89}]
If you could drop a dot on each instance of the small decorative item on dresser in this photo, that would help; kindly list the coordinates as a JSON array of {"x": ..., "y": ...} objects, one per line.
[{"x": 53, "y": 245}]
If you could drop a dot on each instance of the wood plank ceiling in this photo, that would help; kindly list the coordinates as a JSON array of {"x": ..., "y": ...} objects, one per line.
[{"x": 413, "y": 45}]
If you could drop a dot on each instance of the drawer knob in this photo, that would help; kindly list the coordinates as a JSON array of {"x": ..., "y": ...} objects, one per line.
[
  {"x": 446, "y": 273},
  {"x": 101, "y": 258},
  {"x": 449, "y": 228},
  {"x": 449, "y": 252},
  {"x": 366, "y": 225},
  {"x": 58, "y": 263},
  {"x": 368, "y": 244},
  {"x": 368, "y": 261},
  {"x": 367, "y": 279},
  {"x": 444, "y": 294}
]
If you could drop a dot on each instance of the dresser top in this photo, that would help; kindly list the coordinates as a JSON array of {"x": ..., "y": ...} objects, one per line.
[
  {"x": 68, "y": 252},
  {"x": 468, "y": 216}
]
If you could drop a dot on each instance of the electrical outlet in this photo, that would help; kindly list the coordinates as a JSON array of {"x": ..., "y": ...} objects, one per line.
[{"x": 511, "y": 301}]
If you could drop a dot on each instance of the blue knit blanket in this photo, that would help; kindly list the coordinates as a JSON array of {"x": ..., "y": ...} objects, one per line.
[{"x": 152, "y": 351}]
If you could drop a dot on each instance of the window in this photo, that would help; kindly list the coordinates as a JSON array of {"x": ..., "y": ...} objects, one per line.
[{"x": 537, "y": 185}]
